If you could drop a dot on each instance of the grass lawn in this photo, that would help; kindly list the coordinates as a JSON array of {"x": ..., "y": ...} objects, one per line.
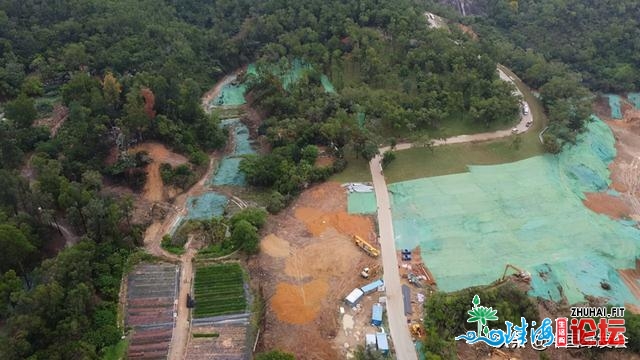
[
  {"x": 117, "y": 351},
  {"x": 454, "y": 128},
  {"x": 450, "y": 159},
  {"x": 357, "y": 170}
]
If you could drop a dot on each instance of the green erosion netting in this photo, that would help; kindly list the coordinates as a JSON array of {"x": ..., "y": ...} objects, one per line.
[
  {"x": 233, "y": 95},
  {"x": 206, "y": 206},
  {"x": 635, "y": 99},
  {"x": 360, "y": 117},
  {"x": 362, "y": 203},
  {"x": 614, "y": 104},
  {"x": 528, "y": 214},
  {"x": 326, "y": 83},
  {"x": 228, "y": 173},
  {"x": 230, "y": 95}
]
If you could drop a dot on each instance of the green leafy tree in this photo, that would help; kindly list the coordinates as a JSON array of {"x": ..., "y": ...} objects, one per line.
[
  {"x": 245, "y": 236},
  {"x": 15, "y": 248},
  {"x": 21, "y": 111},
  {"x": 255, "y": 216},
  {"x": 32, "y": 86},
  {"x": 387, "y": 158}
]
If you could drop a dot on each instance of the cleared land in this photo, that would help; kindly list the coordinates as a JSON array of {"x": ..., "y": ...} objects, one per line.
[
  {"x": 308, "y": 264},
  {"x": 219, "y": 290},
  {"x": 151, "y": 292}
]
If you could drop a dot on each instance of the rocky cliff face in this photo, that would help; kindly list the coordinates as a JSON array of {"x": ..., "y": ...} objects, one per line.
[{"x": 465, "y": 7}]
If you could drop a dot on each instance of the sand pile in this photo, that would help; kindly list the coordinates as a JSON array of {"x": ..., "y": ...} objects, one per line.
[
  {"x": 298, "y": 304},
  {"x": 275, "y": 246}
]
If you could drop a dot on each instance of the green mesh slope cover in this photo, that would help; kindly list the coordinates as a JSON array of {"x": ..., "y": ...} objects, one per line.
[
  {"x": 228, "y": 173},
  {"x": 529, "y": 214},
  {"x": 362, "y": 203},
  {"x": 614, "y": 104},
  {"x": 635, "y": 99},
  {"x": 230, "y": 95},
  {"x": 206, "y": 206},
  {"x": 326, "y": 83},
  {"x": 360, "y": 117}
]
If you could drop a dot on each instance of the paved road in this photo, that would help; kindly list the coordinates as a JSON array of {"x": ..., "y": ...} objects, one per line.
[{"x": 403, "y": 344}]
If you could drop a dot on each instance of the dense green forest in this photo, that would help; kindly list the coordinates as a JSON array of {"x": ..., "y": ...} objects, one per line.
[
  {"x": 598, "y": 39},
  {"x": 134, "y": 71},
  {"x": 564, "y": 48}
]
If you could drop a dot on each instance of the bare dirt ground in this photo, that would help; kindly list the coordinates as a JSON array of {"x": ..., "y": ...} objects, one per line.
[
  {"x": 307, "y": 266},
  {"x": 625, "y": 177},
  {"x": 154, "y": 188},
  {"x": 610, "y": 205},
  {"x": 57, "y": 118}
]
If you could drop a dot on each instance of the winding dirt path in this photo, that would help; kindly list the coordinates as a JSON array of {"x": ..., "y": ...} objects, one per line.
[{"x": 154, "y": 235}]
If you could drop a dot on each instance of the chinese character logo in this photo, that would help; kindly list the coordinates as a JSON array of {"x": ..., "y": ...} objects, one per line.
[{"x": 581, "y": 331}]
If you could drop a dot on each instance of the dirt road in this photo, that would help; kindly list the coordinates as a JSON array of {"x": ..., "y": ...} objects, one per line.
[
  {"x": 152, "y": 239},
  {"x": 182, "y": 324},
  {"x": 399, "y": 330}
]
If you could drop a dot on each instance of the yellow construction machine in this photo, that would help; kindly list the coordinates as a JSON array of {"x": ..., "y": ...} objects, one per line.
[{"x": 368, "y": 248}]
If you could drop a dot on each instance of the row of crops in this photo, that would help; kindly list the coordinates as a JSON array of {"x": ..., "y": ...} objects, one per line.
[{"x": 219, "y": 290}]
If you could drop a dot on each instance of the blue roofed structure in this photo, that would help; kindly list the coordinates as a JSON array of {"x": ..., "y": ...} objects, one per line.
[
  {"x": 369, "y": 288},
  {"x": 383, "y": 343},
  {"x": 376, "y": 315}
]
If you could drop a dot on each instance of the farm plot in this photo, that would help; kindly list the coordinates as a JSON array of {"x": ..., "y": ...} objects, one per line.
[
  {"x": 219, "y": 290},
  {"x": 151, "y": 293},
  {"x": 224, "y": 339}
]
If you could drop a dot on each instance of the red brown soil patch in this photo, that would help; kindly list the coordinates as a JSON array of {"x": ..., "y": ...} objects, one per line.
[
  {"x": 305, "y": 288},
  {"x": 618, "y": 186},
  {"x": 298, "y": 304},
  {"x": 469, "y": 31},
  {"x": 324, "y": 161},
  {"x": 318, "y": 221},
  {"x": 606, "y": 204},
  {"x": 153, "y": 189},
  {"x": 319, "y": 259}
]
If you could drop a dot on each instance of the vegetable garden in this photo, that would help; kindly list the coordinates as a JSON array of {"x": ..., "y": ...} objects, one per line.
[{"x": 219, "y": 290}]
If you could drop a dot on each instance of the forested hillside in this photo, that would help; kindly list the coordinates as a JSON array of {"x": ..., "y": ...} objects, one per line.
[{"x": 598, "y": 39}]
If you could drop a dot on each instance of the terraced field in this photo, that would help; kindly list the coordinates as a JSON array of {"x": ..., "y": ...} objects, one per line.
[
  {"x": 219, "y": 290},
  {"x": 151, "y": 293}
]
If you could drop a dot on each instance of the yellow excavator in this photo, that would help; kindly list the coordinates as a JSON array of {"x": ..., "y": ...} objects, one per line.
[
  {"x": 368, "y": 248},
  {"x": 417, "y": 331}
]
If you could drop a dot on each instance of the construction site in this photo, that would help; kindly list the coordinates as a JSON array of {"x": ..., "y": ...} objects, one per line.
[
  {"x": 309, "y": 262},
  {"x": 323, "y": 250}
]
